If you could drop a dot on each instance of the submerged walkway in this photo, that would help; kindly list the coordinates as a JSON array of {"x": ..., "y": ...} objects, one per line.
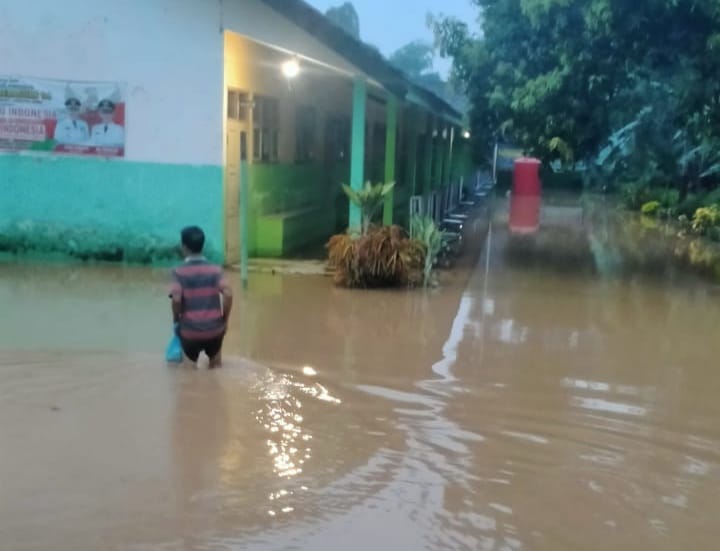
[{"x": 286, "y": 267}]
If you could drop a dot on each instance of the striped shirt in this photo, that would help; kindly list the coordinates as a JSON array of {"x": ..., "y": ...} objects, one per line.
[{"x": 197, "y": 286}]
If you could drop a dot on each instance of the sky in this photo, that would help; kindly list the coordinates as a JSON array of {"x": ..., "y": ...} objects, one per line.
[{"x": 390, "y": 24}]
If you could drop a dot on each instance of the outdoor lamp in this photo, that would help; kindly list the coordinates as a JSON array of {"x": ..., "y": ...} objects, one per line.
[{"x": 290, "y": 68}]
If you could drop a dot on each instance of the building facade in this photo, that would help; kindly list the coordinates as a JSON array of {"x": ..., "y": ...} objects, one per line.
[{"x": 120, "y": 123}]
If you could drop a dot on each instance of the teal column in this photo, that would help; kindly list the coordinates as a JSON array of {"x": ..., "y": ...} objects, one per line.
[
  {"x": 357, "y": 147},
  {"x": 390, "y": 145},
  {"x": 244, "y": 213}
]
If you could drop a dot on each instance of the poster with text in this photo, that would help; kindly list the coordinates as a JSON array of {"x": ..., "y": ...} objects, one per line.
[{"x": 81, "y": 118}]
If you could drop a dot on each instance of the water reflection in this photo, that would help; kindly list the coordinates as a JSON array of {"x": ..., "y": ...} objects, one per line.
[
  {"x": 289, "y": 441},
  {"x": 595, "y": 404}
]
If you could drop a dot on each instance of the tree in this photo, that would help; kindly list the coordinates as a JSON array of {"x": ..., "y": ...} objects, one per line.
[
  {"x": 416, "y": 59},
  {"x": 346, "y": 17},
  {"x": 560, "y": 76}
]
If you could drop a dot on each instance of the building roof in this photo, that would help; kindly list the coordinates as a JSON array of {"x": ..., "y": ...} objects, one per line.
[{"x": 360, "y": 54}]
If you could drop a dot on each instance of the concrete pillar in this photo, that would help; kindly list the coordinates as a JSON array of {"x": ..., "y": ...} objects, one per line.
[{"x": 357, "y": 148}]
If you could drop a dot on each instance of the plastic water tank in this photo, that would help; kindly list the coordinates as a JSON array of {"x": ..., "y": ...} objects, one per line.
[
  {"x": 526, "y": 177},
  {"x": 524, "y": 214}
]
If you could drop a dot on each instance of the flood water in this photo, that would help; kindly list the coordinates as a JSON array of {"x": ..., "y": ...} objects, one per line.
[{"x": 543, "y": 398}]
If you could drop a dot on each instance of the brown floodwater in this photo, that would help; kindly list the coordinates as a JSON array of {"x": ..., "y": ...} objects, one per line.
[{"x": 552, "y": 394}]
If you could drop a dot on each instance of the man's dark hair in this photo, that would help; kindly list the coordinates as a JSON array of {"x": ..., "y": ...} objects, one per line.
[{"x": 193, "y": 238}]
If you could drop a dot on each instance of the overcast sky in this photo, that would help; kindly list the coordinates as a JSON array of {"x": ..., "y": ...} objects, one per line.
[{"x": 390, "y": 24}]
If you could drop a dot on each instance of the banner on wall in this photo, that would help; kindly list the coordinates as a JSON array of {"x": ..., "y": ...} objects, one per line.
[{"x": 81, "y": 118}]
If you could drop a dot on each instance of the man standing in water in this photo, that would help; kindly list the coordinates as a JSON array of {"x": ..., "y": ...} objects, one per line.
[{"x": 201, "y": 300}]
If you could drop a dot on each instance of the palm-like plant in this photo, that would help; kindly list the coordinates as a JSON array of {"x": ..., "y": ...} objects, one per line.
[
  {"x": 425, "y": 230},
  {"x": 369, "y": 200}
]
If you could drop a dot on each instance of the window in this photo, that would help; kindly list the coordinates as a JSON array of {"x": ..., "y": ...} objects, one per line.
[
  {"x": 305, "y": 134},
  {"x": 266, "y": 129},
  {"x": 237, "y": 105},
  {"x": 337, "y": 139}
]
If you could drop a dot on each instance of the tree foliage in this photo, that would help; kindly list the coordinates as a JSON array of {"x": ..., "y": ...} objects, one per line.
[
  {"x": 346, "y": 17},
  {"x": 416, "y": 60},
  {"x": 561, "y": 77}
]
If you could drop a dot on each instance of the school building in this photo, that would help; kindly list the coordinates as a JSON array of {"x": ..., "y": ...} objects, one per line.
[{"x": 177, "y": 99}]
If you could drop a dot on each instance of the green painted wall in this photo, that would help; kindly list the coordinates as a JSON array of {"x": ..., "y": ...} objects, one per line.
[
  {"x": 340, "y": 174},
  {"x": 375, "y": 172},
  {"x": 98, "y": 209},
  {"x": 401, "y": 206},
  {"x": 462, "y": 161},
  {"x": 292, "y": 207}
]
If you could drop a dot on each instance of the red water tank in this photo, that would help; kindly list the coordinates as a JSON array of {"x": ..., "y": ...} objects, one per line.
[
  {"x": 524, "y": 214},
  {"x": 526, "y": 177}
]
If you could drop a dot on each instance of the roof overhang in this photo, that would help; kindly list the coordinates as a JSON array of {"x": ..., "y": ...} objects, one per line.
[{"x": 364, "y": 57}]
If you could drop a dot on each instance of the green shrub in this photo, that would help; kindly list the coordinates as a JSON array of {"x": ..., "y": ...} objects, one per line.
[
  {"x": 705, "y": 219},
  {"x": 713, "y": 197},
  {"x": 688, "y": 207},
  {"x": 651, "y": 208},
  {"x": 668, "y": 198},
  {"x": 633, "y": 196},
  {"x": 383, "y": 257},
  {"x": 424, "y": 229},
  {"x": 86, "y": 243},
  {"x": 714, "y": 233}
]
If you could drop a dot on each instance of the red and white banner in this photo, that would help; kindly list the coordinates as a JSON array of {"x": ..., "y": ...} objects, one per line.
[{"x": 81, "y": 118}]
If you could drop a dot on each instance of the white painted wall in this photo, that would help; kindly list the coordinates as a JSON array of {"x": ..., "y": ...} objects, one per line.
[{"x": 169, "y": 53}]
